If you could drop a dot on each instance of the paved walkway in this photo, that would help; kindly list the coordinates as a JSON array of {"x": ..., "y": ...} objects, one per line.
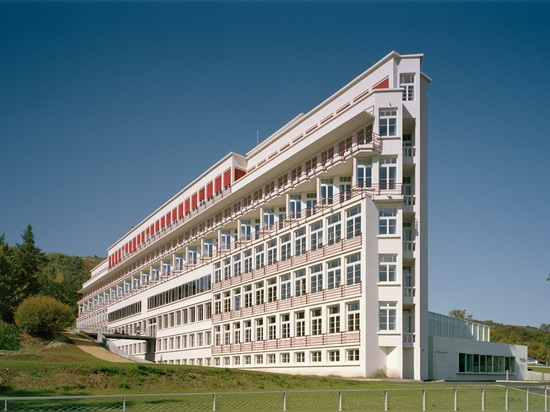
[{"x": 94, "y": 349}]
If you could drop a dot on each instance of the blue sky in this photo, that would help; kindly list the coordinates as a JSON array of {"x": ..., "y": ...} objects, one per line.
[{"x": 107, "y": 110}]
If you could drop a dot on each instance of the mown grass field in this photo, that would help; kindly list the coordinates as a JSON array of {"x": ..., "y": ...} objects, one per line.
[{"x": 61, "y": 368}]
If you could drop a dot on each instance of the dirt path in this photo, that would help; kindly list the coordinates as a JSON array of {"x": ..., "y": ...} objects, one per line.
[{"x": 94, "y": 349}]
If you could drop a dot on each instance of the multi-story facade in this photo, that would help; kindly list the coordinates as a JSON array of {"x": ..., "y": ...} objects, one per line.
[{"x": 307, "y": 255}]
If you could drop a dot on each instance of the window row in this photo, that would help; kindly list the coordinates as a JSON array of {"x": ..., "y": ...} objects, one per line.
[
  {"x": 290, "y": 358},
  {"x": 475, "y": 363},
  {"x": 330, "y": 319},
  {"x": 315, "y": 278},
  {"x": 185, "y": 316},
  {"x": 126, "y": 311},
  {"x": 192, "y": 288},
  {"x": 187, "y": 341}
]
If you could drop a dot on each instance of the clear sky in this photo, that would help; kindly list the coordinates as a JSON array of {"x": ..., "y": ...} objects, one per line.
[{"x": 108, "y": 110}]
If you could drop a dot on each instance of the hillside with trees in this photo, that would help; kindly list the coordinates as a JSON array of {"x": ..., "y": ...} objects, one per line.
[
  {"x": 536, "y": 339},
  {"x": 26, "y": 271}
]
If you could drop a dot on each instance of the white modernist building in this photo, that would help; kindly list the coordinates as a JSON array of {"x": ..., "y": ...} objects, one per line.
[{"x": 308, "y": 255}]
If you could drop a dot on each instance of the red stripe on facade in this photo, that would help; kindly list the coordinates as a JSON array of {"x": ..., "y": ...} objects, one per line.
[
  {"x": 239, "y": 173},
  {"x": 362, "y": 95},
  {"x": 344, "y": 107},
  {"x": 326, "y": 119},
  {"x": 227, "y": 178},
  {"x": 286, "y": 146},
  {"x": 308, "y": 131},
  {"x": 384, "y": 84}
]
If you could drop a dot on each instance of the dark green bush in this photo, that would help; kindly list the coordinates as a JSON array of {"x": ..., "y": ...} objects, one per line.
[
  {"x": 43, "y": 316},
  {"x": 9, "y": 336}
]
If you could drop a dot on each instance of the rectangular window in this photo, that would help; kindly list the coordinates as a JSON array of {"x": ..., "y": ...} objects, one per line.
[
  {"x": 286, "y": 247},
  {"x": 353, "y": 221},
  {"x": 247, "y": 296},
  {"x": 327, "y": 191},
  {"x": 388, "y": 173},
  {"x": 334, "y": 274},
  {"x": 353, "y": 316},
  {"x": 364, "y": 172},
  {"x": 247, "y": 330},
  {"x": 259, "y": 329},
  {"x": 217, "y": 272},
  {"x": 353, "y": 269},
  {"x": 334, "y": 319},
  {"x": 246, "y": 230},
  {"x": 247, "y": 260},
  {"x": 272, "y": 289},
  {"x": 285, "y": 357},
  {"x": 225, "y": 240},
  {"x": 406, "y": 82},
  {"x": 334, "y": 229},
  {"x": 286, "y": 286},
  {"x": 259, "y": 359},
  {"x": 237, "y": 332},
  {"x": 316, "y": 356},
  {"x": 316, "y": 235},
  {"x": 227, "y": 268},
  {"x": 300, "y": 323},
  {"x": 226, "y": 302},
  {"x": 387, "y": 122},
  {"x": 344, "y": 188},
  {"x": 334, "y": 356},
  {"x": 285, "y": 325},
  {"x": 316, "y": 279},
  {"x": 387, "y": 316},
  {"x": 295, "y": 206},
  {"x": 260, "y": 257},
  {"x": 353, "y": 355},
  {"x": 300, "y": 357},
  {"x": 272, "y": 327},
  {"x": 300, "y": 282},
  {"x": 311, "y": 202},
  {"x": 272, "y": 251},
  {"x": 316, "y": 321},
  {"x": 387, "y": 221},
  {"x": 237, "y": 265},
  {"x": 237, "y": 299},
  {"x": 226, "y": 334},
  {"x": 300, "y": 241},
  {"x": 259, "y": 287},
  {"x": 269, "y": 219},
  {"x": 387, "y": 268}
]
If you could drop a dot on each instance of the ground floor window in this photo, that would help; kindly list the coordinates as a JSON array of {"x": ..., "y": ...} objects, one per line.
[
  {"x": 476, "y": 363},
  {"x": 353, "y": 354}
]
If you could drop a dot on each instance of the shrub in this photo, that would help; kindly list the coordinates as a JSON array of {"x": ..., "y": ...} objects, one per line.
[
  {"x": 43, "y": 316},
  {"x": 9, "y": 336}
]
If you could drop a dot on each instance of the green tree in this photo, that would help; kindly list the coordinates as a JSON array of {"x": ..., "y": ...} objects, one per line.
[
  {"x": 29, "y": 261},
  {"x": 11, "y": 284},
  {"x": 43, "y": 316},
  {"x": 9, "y": 336},
  {"x": 460, "y": 314}
]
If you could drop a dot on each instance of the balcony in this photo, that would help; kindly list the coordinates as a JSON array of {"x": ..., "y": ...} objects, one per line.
[{"x": 325, "y": 339}]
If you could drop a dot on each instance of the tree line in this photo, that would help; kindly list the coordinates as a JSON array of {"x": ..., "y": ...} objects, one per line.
[{"x": 25, "y": 271}]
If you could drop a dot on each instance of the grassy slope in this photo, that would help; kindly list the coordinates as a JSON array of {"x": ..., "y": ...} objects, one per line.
[{"x": 61, "y": 368}]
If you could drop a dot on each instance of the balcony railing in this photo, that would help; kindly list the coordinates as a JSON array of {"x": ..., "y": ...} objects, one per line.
[
  {"x": 337, "y": 338},
  {"x": 343, "y": 291}
]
